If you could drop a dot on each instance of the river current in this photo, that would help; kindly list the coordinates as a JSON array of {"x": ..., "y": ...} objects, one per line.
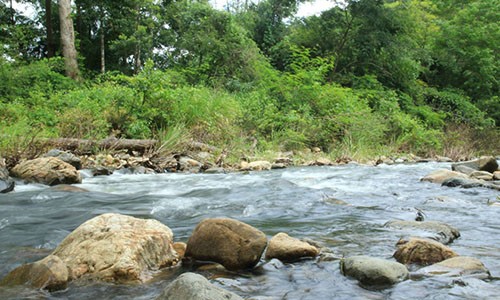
[{"x": 342, "y": 208}]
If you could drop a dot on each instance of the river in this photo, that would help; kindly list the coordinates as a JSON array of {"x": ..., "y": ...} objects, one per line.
[{"x": 343, "y": 208}]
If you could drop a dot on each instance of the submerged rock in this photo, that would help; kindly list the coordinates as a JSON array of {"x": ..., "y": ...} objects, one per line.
[
  {"x": 465, "y": 183},
  {"x": 374, "y": 271},
  {"x": 421, "y": 251},
  {"x": 487, "y": 163},
  {"x": 455, "y": 267},
  {"x": 47, "y": 170},
  {"x": 191, "y": 286},
  {"x": 286, "y": 248},
  {"x": 438, "y": 231},
  {"x": 439, "y": 176},
  {"x": 117, "y": 248},
  {"x": 50, "y": 273},
  {"x": 232, "y": 243}
]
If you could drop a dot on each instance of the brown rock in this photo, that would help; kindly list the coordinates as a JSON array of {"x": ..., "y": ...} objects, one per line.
[
  {"x": 438, "y": 231},
  {"x": 49, "y": 273},
  {"x": 260, "y": 165},
  {"x": 286, "y": 248},
  {"x": 439, "y": 176},
  {"x": 117, "y": 248},
  {"x": 482, "y": 175},
  {"x": 457, "y": 266},
  {"x": 180, "y": 248},
  {"x": 496, "y": 175},
  {"x": 232, "y": 243},
  {"x": 47, "y": 170},
  {"x": 421, "y": 251},
  {"x": 485, "y": 163}
]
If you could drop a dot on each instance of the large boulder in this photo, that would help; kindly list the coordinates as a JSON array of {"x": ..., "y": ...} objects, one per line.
[
  {"x": 191, "y": 286},
  {"x": 455, "y": 267},
  {"x": 438, "y": 231},
  {"x": 50, "y": 273},
  {"x": 117, "y": 248},
  {"x": 6, "y": 183},
  {"x": 374, "y": 271},
  {"x": 260, "y": 165},
  {"x": 486, "y": 163},
  {"x": 439, "y": 176},
  {"x": 286, "y": 248},
  {"x": 65, "y": 156},
  {"x": 422, "y": 251},
  {"x": 47, "y": 170},
  {"x": 232, "y": 243}
]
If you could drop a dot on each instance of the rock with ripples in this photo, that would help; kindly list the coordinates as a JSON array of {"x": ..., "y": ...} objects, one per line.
[
  {"x": 438, "y": 231},
  {"x": 50, "y": 273},
  {"x": 232, "y": 243},
  {"x": 117, "y": 248},
  {"x": 47, "y": 170},
  {"x": 286, "y": 248},
  {"x": 6, "y": 183},
  {"x": 374, "y": 271},
  {"x": 422, "y": 251},
  {"x": 457, "y": 267},
  {"x": 191, "y": 286},
  {"x": 440, "y": 176}
]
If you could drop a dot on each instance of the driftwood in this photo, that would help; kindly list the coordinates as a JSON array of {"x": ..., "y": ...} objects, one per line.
[{"x": 81, "y": 145}]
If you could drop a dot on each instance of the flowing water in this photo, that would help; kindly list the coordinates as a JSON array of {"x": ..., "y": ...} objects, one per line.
[{"x": 342, "y": 208}]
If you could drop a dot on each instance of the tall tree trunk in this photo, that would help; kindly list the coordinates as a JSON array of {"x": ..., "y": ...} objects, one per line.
[
  {"x": 68, "y": 40},
  {"x": 12, "y": 18},
  {"x": 103, "y": 50},
  {"x": 50, "y": 31}
]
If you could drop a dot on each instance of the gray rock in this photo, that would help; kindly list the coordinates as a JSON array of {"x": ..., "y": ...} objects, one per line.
[
  {"x": 215, "y": 170},
  {"x": 374, "y": 271},
  {"x": 232, "y": 243},
  {"x": 65, "y": 156},
  {"x": 438, "y": 231},
  {"x": 457, "y": 267},
  {"x": 464, "y": 169},
  {"x": 6, "y": 183},
  {"x": 50, "y": 273},
  {"x": 465, "y": 183},
  {"x": 486, "y": 163},
  {"x": 191, "y": 286},
  {"x": 278, "y": 166}
]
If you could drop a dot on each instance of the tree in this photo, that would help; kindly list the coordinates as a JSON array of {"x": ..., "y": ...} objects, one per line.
[{"x": 68, "y": 40}]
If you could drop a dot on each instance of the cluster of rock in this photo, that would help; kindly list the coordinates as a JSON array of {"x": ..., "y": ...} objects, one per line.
[
  {"x": 482, "y": 172},
  {"x": 123, "y": 249},
  {"x": 427, "y": 254},
  {"x": 6, "y": 183}
]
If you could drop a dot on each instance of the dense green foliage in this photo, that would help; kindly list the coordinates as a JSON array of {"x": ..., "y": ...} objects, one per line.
[{"x": 362, "y": 79}]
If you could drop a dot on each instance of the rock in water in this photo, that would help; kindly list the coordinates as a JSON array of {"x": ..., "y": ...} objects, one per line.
[
  {"x": 486, "y": 163},
  {"x": 232, "y": 243},
  {"x": 191, "y": 286},
  {"x": 374, "y": 271},
  {"x": 286, "y": 248},
  {"x": 438, "y": 231},
  {"x": 117, "y": 248},
  {"x": 6, "y": 183},
  {"x": 50, "y": 273},
  {"x": 457, "y": 266},
  {"x": 47, "y": 170},
  {"x": 422, "y": 251},
  {"x": 439, "y": 176}
]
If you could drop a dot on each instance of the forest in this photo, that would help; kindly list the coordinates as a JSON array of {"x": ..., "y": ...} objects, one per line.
[{"x": 362, "y": 79}]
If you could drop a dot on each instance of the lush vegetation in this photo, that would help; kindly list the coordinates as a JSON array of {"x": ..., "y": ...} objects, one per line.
[{"x": 364, "y": 78}]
